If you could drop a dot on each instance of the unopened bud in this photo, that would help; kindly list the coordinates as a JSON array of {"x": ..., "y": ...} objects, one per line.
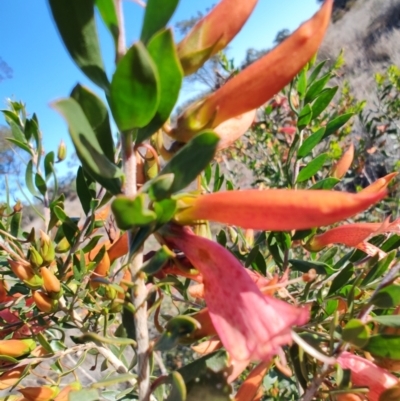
[
  {"x": 50, "y": 282},
  {"x": 44, "y": 303},
  {"x": 16, "y": 348},
  {"x": 17, "y": 207},
  {"x": 34, "y": 257},
  {"x": 103, "y": 266},
  {"x": 46, "y": 248},
  {"x": 26, "y": 274},
  {"x": 43, "y": 393},
  {"x": 63, "y": 246},
  {"x": 62, "y": 151},
  {"x": 11, "y": 377},
  {"x": 233, "y": 235},
  {"x": 3, "y": 290}
]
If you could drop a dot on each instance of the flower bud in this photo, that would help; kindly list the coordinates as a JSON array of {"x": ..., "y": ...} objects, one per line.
[
  {"x": 62, "y": 151},
  {"x": 44, "y": 393},
  {"x": 26, "y": 274},
  {"x": 63, "y": 246},
  {"x": 103, "y": 266},
  {"x": 16, "y": 348},
  {"x": 50, "y": 282},
  {"x": 3, "y": 290},
  {"x": 17, "y": 207},
  {"x": 34, "y": 257},
  {"x": 44, "y": 303},
  {"x": 11, "y": 377},
  {"x": 46, "y": 248}
]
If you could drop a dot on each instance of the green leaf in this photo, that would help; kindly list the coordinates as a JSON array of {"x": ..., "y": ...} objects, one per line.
[
  {"x": 178, "y": 327},
  {"x": 341, "y": 279},
  {"x": 384, "y": 345},
  {"x": 379, "y": 268},
  {"x": 29, "y": 179},
  {"x": 158, "y": 261},
  {"x": 302, "y": 83},
  {"x": 388, "y": 320},
  {"x": 191, "y": 160},
  {"x": 178, "y": 388},
  {"x": 165, "y": 210},
  {"x": 356, "y": 332},
  {"x": 21, "y": 145},
  {"x": 83, "y": 191},
  {"x": 76, "y": 24},
  {"x": 49, "y": 165},
  {"x": 84, "y": 395},
  {"x": 88, "y": 149},
  {"x": 314, "y": 75},
  {"x": 337, "y": 123},
  {"x": 311, "y": 142},
  {"x": 40, "y": 184},
  {"x": 131, "y": 213},
  {"x": 163, "y": 52},
  {"x": 134, "y": 95},
  {"x": 158, "y": 13},
  {"x": 305, "y": 116},
  {"x": 326, "y": 183},
  {"x": 312, "y": 168},
  {"x": 111, "y": 381},
  {"x": 97, "y": 115},
  {"x": 305, "y": 266},
  {"x": 15, "y": 224},
  {"x": 323, "y": 100},
  {"x": 387, "y": 297},
  {"x": 17, "y": 132},
  {"x": 108, "y": 12},
  {"x": 316, "y": 88},
  {"x": 159, "y": 187}
]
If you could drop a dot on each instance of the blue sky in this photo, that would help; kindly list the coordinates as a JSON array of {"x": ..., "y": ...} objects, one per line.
[{"x": 43, "y": 71}]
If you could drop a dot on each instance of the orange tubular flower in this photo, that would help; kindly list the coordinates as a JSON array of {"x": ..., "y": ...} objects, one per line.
[
  {"x": 341, "y": 167},
  {"x": 251, "y": 326},
  {"x": 276, "y": 209},
  {"x": 367, "y": 374},
  {"x": 261, "y": 80},
  {"x": 213, "y": 33},
  {"x": 381, "y": 183},
  {"x": 16, "y": 348}
]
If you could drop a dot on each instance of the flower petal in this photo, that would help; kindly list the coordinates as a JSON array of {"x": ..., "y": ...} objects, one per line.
[
  {"x": 378, "y": 185},
  {"x": 341, "y": 167},
  {"x": 250, "y": 325},
  {"x": 366, "y": 373},
  {"x": 276, "y": 209}
]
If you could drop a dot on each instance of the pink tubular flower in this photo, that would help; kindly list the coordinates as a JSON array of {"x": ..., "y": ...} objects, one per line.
[
  {"x": 367, "y": 374},
  {"x": 250, "y": 325},
  {"x": 276, "y": 209}
]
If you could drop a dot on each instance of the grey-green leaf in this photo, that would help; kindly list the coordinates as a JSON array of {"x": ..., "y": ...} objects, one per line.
[
  {"x": 134, "y": 95},
  {"x": 87, "y": 147},
  {"x": 191, "y": 160},
  {"x": 97, "y": 114},
  {"x": 76, "y": 23},
  {"x": 163, "y": 52},
  {"x": 158, "y": 13}
]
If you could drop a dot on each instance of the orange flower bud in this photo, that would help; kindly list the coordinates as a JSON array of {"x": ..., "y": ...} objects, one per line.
[
  {"x": 341, "y": 167},
  {"x": 103, "y": 266},
  {"x": 63, "y": 395},
  {"x": 3, "y": 290},
  {"x": 24, "y": 273},
  {"x": 44, "y": 302},
  {"x": 50, "y": 282},
  {"x": 9, "y": 378},
  {"x": 16, "y": 348},
  {"x": 381, "y": 183},
  {"x": 44, "y": 393}
]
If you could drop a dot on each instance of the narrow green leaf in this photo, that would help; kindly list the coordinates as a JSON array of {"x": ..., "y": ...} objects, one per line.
[
  {"x": 87, "y": 147},
  {"x": 379, "y": 268},
  {"x": 387, "y": 297},
  {"x": 311, "y": 142},
  {"x": 163, "y": 52},
  {"x": 323, "y": 100},
  {"x": 191, "y": 160},
  {"x": 134, "y": 95},
  {"x": 17, "y": 132},
  {"x": 84, "y": 395},
  {"x": 76, "y": 24},
  {"x": 341, "y": 279},
  {"x": 314, "y": 75},
  {"x": 111, "y": 381},
  {"x": 21, "y": 145},
  {"x": 337, "y": 123},
  {"x": 165, "y": 210},
  {"x": 384, "y": 345},
  {"x": 82, "y": 190},
  {"x": 178, "y": 388},
  {"x": 304, "y": 117},
  {"x": 326, "y": 183},
  {"x": 131, "y": 213},
  {"x": 40, "y": 184},
  {"x": 49, "y": 165},
  {"x": 316, "y": 87},
  {"x": 15, "y": 224},
  {"x": 388, "y": 320},
  {"x": 302, "y": 83},
  {"x": 158, "y": 13},
  {"x": 305, "y": 266},
  {"x": 108, "y": 12},
  {"x": 312, "y": 168},
  {"x": 97, "y": 115},
  {"x": 158, "y": 260}
]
